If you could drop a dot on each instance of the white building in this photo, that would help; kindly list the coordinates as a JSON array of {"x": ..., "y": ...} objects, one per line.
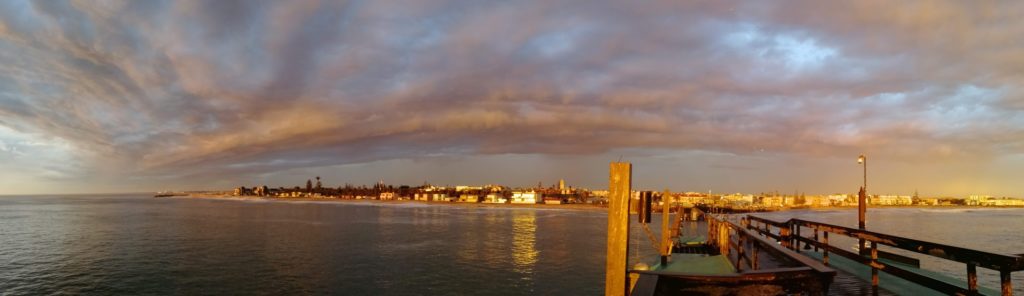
[
  {"x": 526, "y": 197},
  {"x": 470, "y": 198},
  {"x": 439, "y": 197},
  {"x": 892, "y": 200},
  {"x": 495, "y": 198}
]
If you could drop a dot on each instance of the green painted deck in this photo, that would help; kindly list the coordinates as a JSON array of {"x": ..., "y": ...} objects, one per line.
[
  {"x": 890, "y": 282},
  {"x": 698, "y": 264}
]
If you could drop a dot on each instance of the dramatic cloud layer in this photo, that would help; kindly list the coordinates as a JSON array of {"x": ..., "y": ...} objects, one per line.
[{"x": 180, "y": 93}]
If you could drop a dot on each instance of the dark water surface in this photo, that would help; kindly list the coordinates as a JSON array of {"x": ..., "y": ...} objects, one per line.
[
  {"x": 143, "y": 245},
  {"x": 134, "y": 244}
]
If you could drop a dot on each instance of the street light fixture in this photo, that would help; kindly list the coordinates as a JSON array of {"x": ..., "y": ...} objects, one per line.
[{"x": 864, "y": 160}]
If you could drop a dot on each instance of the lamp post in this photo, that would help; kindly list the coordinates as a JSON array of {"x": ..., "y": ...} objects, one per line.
[{"x": 862, "y": 205}]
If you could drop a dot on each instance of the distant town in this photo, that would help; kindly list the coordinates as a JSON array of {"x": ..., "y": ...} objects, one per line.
[{"x": 559, "y": 193}]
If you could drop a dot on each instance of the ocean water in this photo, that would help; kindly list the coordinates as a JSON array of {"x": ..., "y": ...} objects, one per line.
[{"x": 138, "y": 245}]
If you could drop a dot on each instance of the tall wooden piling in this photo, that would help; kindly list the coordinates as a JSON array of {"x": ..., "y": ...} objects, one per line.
[
  {"x": 862, "y": 209},
  {"x": 666, "y": 239},
  {"x": 619, "y": 187},
  {"x": 1004, "y": 279}
]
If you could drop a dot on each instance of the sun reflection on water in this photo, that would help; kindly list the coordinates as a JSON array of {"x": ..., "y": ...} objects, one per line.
[{"x": 524, "y": 239}]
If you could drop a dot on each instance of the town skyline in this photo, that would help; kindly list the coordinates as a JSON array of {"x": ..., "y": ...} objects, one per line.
[{"x": 727, "y": 96}]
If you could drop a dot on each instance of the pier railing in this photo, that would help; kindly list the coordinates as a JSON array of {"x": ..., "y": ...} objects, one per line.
[
  {"x": 788, "y": 271},
  {"x": 736, "y": 241},
  {"x": 788, "y": 234}
]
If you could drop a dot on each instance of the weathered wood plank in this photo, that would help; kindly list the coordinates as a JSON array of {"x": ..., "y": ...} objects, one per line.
[{"x": 619, "y": 187}]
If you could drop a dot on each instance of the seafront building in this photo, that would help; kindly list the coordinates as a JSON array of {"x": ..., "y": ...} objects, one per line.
[
  {"x": 890, "y": 200},
  {"x": 562, "y": 193},
  {"x": 526, "y": 197}
]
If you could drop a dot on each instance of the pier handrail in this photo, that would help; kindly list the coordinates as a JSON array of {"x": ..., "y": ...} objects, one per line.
[
  {"x": 741, "y": 247},
  {"x": 746, "y": 237},
  {"x": 984, "y": 259},
  {"x": 1004, "y": 264}
]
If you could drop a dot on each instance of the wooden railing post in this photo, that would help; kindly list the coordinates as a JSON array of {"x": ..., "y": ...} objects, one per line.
[
  {"x": 739, "y": 252},
  {"x": 825, "y": 256},
  {"x": 666, "y": 239},
  {"x": 816, "y": 239},
  {"x": 753, "y": 261},
  {"x": 796, "y": 239},
  {"x": 784, "y": 236},
  {"x": 874, "y": 268},
  {"x": 972, "y": 278},
  {"x": 1004, "y": 280}
]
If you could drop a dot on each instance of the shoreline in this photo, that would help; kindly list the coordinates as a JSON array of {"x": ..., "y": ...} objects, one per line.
[{"x": 574, "y": 207}]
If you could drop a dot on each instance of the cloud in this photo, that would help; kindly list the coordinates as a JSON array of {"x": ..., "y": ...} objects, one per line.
[{"x": 195, "y": 88}]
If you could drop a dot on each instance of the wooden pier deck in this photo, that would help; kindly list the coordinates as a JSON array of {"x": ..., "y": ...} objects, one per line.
[
  {"x": 855, "y": 279},
  {"x": 852, "y": 277},
  {"x": 896, "y": 274}
]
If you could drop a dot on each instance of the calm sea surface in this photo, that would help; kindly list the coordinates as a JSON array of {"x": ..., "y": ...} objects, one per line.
[{"x": 135, "y": 244}]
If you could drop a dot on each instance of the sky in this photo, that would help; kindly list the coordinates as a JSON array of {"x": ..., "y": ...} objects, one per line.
[{"x": 722, "y": 96}]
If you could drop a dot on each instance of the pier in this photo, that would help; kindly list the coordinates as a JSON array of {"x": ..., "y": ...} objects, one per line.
[
  {"x": 743, "y": 254},
  {"x": 885, "y": 270}
]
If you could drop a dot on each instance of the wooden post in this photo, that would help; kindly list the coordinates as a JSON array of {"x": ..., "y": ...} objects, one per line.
[
  {"x": 1004, "y": 280},
  {"x": 874, "y": 270},
  {"x": 740, "y": 253},
  {"x": 666, "y": 240},
  {"x": 723, "y": 237},
  {"x": 784, "y": 237},
  {"x": 753, "y": 261},
  {"x": 825, "y": 250},
  {"x": 816, "y": 239},
  {"x": 796, "y": 239},
  {"x": 619, "y": 187},
  {"x": 972, "y": 278},
  {"x": 862, "y": 209}
]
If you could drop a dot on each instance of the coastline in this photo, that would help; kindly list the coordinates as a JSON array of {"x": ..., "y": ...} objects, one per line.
[
  {"x": 577, "y": 207},
  {"x": 572, "y": 207}
]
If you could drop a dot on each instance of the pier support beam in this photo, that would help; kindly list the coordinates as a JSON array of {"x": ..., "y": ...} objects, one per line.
[
  {"x": 1004, "y": 280},
  {"x": 972, "y": 278},
  {"x": 824, "y": 256},
  {"x": 862, "y": 209},
  {"x": 874, "y": 268},
  {"x": 666, "y": 240},
  {"x": 620, "y": 184}
]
